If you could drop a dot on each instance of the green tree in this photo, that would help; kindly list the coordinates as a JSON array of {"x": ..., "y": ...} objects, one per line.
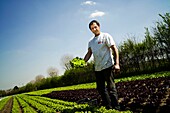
[
  {"x": 150, "y": 48},
  {"x": 162, "y": 36}
]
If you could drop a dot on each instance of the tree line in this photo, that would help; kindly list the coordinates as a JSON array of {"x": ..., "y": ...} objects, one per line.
[{"x": 150, "y": 55}]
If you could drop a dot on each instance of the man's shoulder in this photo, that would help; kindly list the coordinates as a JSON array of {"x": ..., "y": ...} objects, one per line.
[
  {"x": 106, "y": 34},
  {"x": 91, "y": 39}
]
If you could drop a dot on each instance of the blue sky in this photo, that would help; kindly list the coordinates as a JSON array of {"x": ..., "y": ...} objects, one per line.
[{"x": 36, "y": 34}]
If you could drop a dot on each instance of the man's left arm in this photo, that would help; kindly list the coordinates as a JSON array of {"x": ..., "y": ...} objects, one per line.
[{"x": 116, "y": 55}]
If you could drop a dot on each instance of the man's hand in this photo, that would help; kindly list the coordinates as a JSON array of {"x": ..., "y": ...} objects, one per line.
[{"x": 116, "y": 69}]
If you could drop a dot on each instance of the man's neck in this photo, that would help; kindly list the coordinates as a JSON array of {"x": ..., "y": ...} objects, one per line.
[{"x": 97, "y": 34}]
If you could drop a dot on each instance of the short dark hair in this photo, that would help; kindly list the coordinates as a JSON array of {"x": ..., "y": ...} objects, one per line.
[{"x": 93, "y": 21}]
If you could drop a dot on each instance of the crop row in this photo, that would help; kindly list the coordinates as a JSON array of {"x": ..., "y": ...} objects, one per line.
[
  {"x": 43, "y": 104},
  {"x": 16, "y": 106},
  {"x": 3, "y": 102},
  {"x": 37, "y": 106},
  {"x": 23, "y": 103},
  {"x": 52, "y": 105},
  {"x": 26, "y": 108}
]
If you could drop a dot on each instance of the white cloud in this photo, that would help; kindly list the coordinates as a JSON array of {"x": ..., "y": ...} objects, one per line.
[
  {"x": 88, "y": 3},
  {"x": 97, "y": 14}
]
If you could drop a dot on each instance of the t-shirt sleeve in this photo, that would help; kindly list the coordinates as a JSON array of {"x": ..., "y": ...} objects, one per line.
[{"x": 109, "y": 40}]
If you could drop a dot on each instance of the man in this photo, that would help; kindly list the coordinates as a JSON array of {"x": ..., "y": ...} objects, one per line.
[{"x": 101, "y": 46}]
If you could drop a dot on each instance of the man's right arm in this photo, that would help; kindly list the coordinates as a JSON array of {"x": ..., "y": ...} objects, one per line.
[{"x": 88, "y": 55}]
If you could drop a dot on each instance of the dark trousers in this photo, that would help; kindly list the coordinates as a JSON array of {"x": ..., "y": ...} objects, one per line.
[{"x": 108, "y": 93}]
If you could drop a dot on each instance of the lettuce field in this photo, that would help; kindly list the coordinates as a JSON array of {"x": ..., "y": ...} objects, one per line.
[{"x": 148, "y": 93}]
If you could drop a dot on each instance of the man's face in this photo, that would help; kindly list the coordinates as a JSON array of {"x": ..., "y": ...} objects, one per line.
[{"x": 95, "y": 29}]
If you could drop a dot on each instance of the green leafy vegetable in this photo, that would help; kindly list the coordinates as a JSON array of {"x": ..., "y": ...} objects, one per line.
[{"x": 77, "y": 62}]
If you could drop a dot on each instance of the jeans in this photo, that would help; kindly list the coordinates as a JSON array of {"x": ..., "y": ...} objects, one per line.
[{"x": 108, "y": 93}]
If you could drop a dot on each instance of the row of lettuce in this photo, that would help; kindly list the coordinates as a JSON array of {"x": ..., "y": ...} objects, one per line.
[
  {"x": 3, "y": 101},
  {"x": 37, "y": 104}
]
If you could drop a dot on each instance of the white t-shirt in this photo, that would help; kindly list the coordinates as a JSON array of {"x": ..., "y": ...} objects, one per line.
[{"x": 101, "y": 50}]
